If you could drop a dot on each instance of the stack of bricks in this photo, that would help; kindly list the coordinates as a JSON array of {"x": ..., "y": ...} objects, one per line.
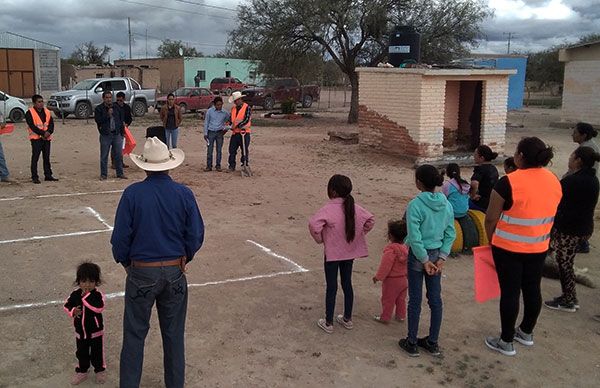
[{"x": 405, "y": 111}]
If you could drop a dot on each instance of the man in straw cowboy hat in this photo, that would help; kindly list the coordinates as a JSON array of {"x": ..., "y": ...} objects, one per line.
[
  {"x": 158, "y": 230},
  {"x": 241, "y": 123}
]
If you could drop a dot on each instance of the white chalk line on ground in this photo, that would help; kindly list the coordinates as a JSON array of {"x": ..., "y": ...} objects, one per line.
[
  {"x": 113, "y": 295},
  {"x": 96, "y": 215},
  {"x": 298, "y": 267},
  {"x": 62, "y": 195}
]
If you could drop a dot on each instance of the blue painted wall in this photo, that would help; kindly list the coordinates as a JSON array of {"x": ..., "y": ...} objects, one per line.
[
  {"x": 244, "y": 70},
  {"x": 516, "y": 82}
]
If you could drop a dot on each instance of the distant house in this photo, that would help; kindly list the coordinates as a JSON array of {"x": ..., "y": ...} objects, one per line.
[
  {"x": 28, "y": 66},
  {"x": 516, "y": 82},
  {"x": 581, "y": 89},
  {"x": 180, "y": 72}
]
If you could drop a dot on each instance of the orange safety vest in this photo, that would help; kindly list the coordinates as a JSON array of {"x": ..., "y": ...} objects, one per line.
[
  {"x": 37, "y": 121},
  {"x": 526, "y": 226},
  {"x": 238, "y": 116}
]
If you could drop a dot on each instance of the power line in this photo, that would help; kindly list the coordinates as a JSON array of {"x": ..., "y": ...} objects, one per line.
[
  {"x": 176, "y": 10},
  {"x": 207, "y": 5},
  {"x": 183, "y": 41}
]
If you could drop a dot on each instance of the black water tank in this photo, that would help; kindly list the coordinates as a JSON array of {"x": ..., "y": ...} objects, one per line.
[{"x": 405, "y": 46}]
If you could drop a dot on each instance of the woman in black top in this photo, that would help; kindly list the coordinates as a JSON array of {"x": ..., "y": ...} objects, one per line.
[
  {"x": 485, "y": 176},
  {"x": 574, "y": 222}
]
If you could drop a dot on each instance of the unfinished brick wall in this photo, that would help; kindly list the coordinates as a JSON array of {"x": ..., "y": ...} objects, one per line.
[{"x": 404, "y": 111}]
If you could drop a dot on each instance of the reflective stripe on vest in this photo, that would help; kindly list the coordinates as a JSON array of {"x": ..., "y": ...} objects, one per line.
[
  {"x": 526, "y": 226},
  {"x": 237, "y": 116},
  {"x": 37, "y": 121},
  {"x": 526, "y": 221}
]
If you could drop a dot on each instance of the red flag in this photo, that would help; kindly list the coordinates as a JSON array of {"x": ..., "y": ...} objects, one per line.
[
  {"x": 486, "y": 278},
  {"x": 129, "y": 142},
  {"x": 7, "y": 129}
]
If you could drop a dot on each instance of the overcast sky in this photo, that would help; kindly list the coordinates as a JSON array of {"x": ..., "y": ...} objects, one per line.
[{"x": 537, "y": 24}]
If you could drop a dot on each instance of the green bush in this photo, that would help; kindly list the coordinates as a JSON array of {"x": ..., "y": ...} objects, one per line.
[{"x": 288, "y": 106}]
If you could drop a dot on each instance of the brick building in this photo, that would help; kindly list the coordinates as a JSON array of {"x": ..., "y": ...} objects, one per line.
[
  {"x": 581, "y": 89},
  {"x": 432, "y": 114},
  {"x": 148, "y": 77}
]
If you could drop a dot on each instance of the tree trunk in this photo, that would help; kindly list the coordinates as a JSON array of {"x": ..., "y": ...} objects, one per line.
[{"x": 353, "y": 115}]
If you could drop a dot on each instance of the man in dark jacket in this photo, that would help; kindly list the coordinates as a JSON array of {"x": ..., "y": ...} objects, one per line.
[
  {"x": 109, "y": 117},
  {"x": 127, "y": 120}
]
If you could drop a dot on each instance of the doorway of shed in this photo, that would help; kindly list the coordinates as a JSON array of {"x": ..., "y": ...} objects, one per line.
[{"x": 463, "y": 105}]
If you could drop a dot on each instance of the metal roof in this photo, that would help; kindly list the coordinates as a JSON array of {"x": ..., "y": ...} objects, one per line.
[{"x": 16, "y": 41}]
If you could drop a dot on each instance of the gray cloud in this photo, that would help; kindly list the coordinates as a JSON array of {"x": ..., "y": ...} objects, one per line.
[{"x": 68, "y": 23}]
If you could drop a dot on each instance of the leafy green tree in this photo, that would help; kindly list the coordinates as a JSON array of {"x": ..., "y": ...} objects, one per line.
[
  {"x": 170, "y": 49},
  {"x": 351, "y": 33}
]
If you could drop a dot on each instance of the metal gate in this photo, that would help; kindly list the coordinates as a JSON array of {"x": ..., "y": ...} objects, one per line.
[{"x": 17, "y": 72}]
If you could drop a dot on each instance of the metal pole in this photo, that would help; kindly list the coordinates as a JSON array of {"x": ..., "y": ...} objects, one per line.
[
  {"x": 146, "y": 43},
  {"x": 129, "y": 28}
]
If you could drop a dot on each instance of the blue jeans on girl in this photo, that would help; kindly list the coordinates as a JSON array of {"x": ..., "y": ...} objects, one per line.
[
  {"x": 433, "y": 285},
  {"x": 331, "y": 271}
]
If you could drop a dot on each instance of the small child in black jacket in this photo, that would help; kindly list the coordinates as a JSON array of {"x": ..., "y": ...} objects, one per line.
[{"x": 85, "y": 306}]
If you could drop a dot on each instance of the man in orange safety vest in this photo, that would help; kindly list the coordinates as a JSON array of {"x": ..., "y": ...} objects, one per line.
[{"x": 41, "y": 126}]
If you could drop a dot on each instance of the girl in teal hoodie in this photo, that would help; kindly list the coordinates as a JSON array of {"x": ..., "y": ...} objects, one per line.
[{"x": 430, "y": 221}]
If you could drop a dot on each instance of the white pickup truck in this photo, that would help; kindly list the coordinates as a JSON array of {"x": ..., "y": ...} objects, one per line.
[{"x": 87, "y": 94}]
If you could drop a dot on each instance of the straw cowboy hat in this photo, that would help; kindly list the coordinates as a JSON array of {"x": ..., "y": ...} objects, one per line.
[
  {"x": 157, "y": 157},
  {"x": 235, "y": 96}
]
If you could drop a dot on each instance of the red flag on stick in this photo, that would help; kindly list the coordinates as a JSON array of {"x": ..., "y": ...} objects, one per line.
[
  {"x": 129, "y": 142},
  {"x": 486, "y": 278},
  {"x": 7, "y": 129}
]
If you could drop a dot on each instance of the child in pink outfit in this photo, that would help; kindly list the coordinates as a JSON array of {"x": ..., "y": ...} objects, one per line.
[
  {"x": 340, "y": 225},
  {"x": 392, "y": 272}
]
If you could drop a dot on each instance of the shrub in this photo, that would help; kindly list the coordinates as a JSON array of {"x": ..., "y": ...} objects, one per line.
[{"x": 288, "y": 106}]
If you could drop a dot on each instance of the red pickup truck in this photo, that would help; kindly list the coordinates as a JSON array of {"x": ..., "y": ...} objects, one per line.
[
  {"x": 189, "y": 99},
  {"x": 275, "y": 90}
]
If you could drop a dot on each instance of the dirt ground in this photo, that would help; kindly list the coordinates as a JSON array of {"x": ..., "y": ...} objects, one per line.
[{"x": 262, "y": 332}]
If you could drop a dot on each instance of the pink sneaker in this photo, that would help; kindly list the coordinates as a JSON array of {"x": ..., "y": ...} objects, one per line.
[
  {"x": 78, "y": 378},
  {"x": 101, "y": 377}
]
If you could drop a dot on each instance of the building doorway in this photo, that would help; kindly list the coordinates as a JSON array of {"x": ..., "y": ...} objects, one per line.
[{"x": 462, "y": 116}]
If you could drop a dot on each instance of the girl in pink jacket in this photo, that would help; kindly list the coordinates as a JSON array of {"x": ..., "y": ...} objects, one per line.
[
  {"x": 341, "y": 226},
  {"x": 392, "y": 272}
]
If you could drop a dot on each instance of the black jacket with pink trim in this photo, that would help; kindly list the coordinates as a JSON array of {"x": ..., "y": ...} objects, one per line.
[{"x": 90, "y": 323}]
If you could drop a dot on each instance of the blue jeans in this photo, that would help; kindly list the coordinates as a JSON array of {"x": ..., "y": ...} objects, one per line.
[
  {"x": 115, "y": 141},
  {"x": 3, "y": 169},
  {"x": 331, "y": 271},
  {"x": 171, "y": 135},
  {"x": 167, "y": 286},
  {"x": 433, "y": 284},
  {"x": 214, "y": 136}
]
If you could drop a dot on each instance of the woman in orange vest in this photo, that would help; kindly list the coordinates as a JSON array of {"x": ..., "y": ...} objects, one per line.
[
  {"x": 41, "y": 126},
  {"x": 518, "y": 222}
]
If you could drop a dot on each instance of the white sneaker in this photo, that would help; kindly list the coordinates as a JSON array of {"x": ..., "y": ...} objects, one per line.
[
  {"x": 323, "y": 325},
  {"x": 347, "y": 324}
]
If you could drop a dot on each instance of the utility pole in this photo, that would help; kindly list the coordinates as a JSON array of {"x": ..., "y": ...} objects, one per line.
[
  {"x": 129, "y": 28},
  {"x": 146, "y": 43},
  {"x": 510, "y": 36}
]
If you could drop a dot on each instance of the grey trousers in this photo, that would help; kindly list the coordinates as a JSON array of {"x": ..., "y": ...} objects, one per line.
[{"x": 167, "y": 286}]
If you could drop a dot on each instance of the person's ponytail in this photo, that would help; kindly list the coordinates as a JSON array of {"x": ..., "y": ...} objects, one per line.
[{"x": 349, "y": 213}]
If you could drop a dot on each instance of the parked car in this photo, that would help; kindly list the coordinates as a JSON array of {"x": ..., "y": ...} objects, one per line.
[
  {"x": 226, "y": 85},
  {"x": 87, "y": 94},
  {"x": 189, "y": 99},
  {"x": 12, "y": 108},
  {"x": 275, "y": 90}
]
